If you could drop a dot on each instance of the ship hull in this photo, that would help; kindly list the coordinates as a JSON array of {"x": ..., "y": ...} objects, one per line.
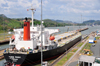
[{"x": 33, "y": 58}]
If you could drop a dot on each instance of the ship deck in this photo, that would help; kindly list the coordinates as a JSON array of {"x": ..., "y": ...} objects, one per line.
[
  {"x": 66, "y": 37},
  {"x": 61, "y": 39},
  {"x": 63, "y": 35}
]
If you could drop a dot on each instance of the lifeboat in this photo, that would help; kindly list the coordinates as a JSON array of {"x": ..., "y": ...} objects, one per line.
[
  {"x": 13, "y": 37},
  {"x": 52, "y": 38}
]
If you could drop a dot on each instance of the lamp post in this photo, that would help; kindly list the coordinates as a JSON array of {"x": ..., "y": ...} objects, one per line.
[
  {"x": 41, "y": 36},
  {"x": 4, "y": 28}
]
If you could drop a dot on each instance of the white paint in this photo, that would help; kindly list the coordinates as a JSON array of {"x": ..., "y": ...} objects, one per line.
[
  {"x": 96, "y": 64},
  {"x": 26, "y": 44}
]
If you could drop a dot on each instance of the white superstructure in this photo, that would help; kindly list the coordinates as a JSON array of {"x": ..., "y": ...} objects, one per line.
[{"x": 35, "y": 37}]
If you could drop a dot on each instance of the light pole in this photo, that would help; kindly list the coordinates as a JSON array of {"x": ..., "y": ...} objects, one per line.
[
  {"x": 63, "y": 26},
  {"x": 41, "y": 36},
  {"x": 4, "y": 28}
]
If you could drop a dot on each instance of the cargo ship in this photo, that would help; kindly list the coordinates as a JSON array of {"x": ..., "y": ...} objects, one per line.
[
  {"x": 25, "y": 44},
  {"x": 26, "y": 51}
]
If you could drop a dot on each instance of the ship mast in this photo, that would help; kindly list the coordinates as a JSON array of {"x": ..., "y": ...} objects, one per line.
[{"x": 32, "y": 15}]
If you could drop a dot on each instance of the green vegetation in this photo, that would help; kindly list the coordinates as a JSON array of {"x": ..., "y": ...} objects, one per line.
[
  {"x": 64, "y": 59},
  {"x": 79, "y": 45},
  {"x": 74, "y": 50},
  {"x": 87, "y": 38},
  {"x": 37, "y": 22},
  {"x": 97, "y": 38},
  {"x": 5, "y": 37},
  {"x": 8, "y": 24},
  {"x": 50, "y": 23},
  {"x": 91, "y": 22},
  {"x": 87, "y": 46}
]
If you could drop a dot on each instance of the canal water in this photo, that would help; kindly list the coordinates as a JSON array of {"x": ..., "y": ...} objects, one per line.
[{"x": 62, "y": 30}]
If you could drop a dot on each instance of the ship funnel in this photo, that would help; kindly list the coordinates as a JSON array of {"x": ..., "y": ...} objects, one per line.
[{"x": 26, "y": 30}]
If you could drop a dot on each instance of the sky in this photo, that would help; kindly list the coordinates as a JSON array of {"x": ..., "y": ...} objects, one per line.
[{"x": 71, "y": 10}]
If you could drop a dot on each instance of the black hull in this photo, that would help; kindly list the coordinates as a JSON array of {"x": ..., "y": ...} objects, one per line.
[
  {"x": 34, "y": 58},
  {"x": 4, "y": 42}
]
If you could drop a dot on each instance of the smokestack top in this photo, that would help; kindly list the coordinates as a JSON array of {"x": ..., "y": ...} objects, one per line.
[{"x": 25, "y": 19}]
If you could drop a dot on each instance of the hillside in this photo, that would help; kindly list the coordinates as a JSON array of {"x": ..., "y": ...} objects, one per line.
[
  {"x": 47, "y": 22},
  {"x": 61, "y": 21},
  {"x": 52, "y": 23},
  {"x": 90, "y": 22},
  {"x": 2, "y": 15},
  {"x": 8, "y": 24},
  {"x": 11, "y": 23}
]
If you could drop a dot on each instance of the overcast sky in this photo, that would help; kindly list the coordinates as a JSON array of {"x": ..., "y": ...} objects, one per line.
[{"x": 53, "y": 9}]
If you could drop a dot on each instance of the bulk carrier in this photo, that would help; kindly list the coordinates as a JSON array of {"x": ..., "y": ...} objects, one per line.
[{"x": 25, "y": 45}]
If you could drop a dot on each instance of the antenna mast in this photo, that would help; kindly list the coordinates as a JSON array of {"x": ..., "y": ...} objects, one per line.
[{"x": 32, "y": 14}]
